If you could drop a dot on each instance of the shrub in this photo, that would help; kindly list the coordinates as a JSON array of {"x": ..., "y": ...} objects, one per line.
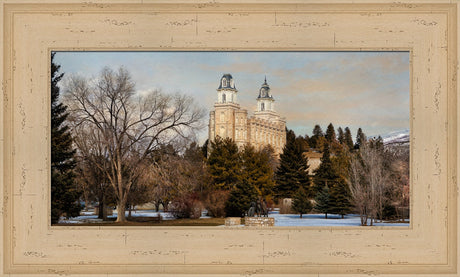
[
  {"x": 215, "y": 202},
  {"x": 187, "y": 206},
  {"x": 286, "y": 206}
]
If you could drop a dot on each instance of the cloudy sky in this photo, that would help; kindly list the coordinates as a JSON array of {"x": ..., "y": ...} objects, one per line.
[{"x": 355, "y": 89}]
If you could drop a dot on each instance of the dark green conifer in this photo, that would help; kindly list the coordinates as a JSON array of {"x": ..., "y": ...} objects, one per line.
[
  {"x": 224, "y": 164},
  {"x": 291, "y": 173},
  {"x": 324, "y": 173},
  {"x": 360, "y": 138},
  {"x": 340, "y": 196},
  {"x": 348, "y": 139},
  {"x": 330, "y": 133},
  {"x": 301, "y": 204},
  {"x": 322, "y": 200},
  {"x": 316, "y": 137},
  {"x": 64, "y": 192},
  {"x": 256, "y": 170},
  {"x": 341, "y": 136},
  {"x": 240, "y": 198}
]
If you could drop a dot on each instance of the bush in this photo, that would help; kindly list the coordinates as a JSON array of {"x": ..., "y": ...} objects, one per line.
[
  {"x": 187, "y": 206},
  {"x": 215, "y": 202},
  {"x": 286, "y": 206}
]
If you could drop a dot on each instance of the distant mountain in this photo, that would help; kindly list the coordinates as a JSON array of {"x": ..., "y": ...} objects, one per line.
[{"x": 396, "y": 138}]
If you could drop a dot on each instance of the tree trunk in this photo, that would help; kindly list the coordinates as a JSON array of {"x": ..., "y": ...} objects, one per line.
[
  {"x": 326, "y": 215},
  {"x": 300, "y": 215},
  {"x": 101, "y": 208},
  {"x": 342, "y": 216},
  {"x": 121, "y": 213},
  {"x": 86, "y": 201},
  {"x": 129, "y": 210},
  {"x": 104, "y": 211}
]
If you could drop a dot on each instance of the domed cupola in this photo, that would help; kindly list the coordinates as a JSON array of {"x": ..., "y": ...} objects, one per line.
[
  {"x": 226, "y": 82},
  {"x": 264, "y": 91},
  {"x": 226, "y": 93},
  {"x": 265, "y": 101}
]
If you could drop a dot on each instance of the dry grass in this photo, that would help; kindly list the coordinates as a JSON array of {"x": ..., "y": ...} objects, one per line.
[{"x": 153, "y": 221}]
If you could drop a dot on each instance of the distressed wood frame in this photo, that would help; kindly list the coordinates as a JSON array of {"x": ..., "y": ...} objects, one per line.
[{"x": 30, "y": 31}]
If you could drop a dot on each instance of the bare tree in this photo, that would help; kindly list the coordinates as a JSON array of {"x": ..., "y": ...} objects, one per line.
[
  {"x": 131, "y": 125},
  {"x": 369, "y": 180},
  {"x": 359, "y": 189},
  {"x": 91, "y": 151}
]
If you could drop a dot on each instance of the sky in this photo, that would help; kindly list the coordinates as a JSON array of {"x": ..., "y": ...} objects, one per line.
[{"x": 370, "y": 90}]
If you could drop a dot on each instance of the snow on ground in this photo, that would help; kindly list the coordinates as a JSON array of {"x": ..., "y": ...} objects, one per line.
[
  {"x": 319, "y": 220},
  {"x": 280, "y": 219},
  {"x": 89, "y": 216}
]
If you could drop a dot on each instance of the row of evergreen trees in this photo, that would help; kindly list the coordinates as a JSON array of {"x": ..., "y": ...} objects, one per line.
[
  {"x": 328, "y": 186},
  {"x": 248, "y": 175}
]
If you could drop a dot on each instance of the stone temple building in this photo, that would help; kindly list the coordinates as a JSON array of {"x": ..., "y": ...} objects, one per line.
[{"x": 229, "y": 120}]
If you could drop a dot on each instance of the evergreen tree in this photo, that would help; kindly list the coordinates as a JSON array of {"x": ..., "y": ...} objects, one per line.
[
  {"x": 360, "y": 138},
  {"x": 256, "y": 170},
  {"x": 301, "y": 203},
  {"x": 64, "y": 192},
  {"x": 240, "y": 198},
  {"x": 341, "y": 163},
  {"x": 224, "y": 164},
  {"x": 322, "y": 200},
  {"x": 340, "y": 196},
  {"x": 317, "y": 131},
  {"x": 348, "y": 139},
  {"x": 316, "y": 137},
  {"x": 304, "y": 146},
  {"x": 330, "y": 133},
  {"x": 341, "y": 136},
  {"x": 204, "y": 148},
  {"x": 291, "y": 173},
  {"x": 324, "y": 173}
]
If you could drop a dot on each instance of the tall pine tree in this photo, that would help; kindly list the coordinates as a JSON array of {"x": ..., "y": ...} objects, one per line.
[
  {"x": 340, "y": 135},
  {"x": 240, "y": 198},
  {"x": 256, "y": 170},
  {"x": 64, "y": 192},
  {"x": 315, "y": 140},
  {"x": 339, "y": 199},
  {"x": 322, "y": 200},
  {"x": 224, "y": 164},
  {"x": 301, "y": 204},
  {"x": 330, "y": 133},
  {"x": 325, "y": 173},
  {"x": 348, "y": 139},
  {"x": 291, "y": 173},
  {"x": 360, "y": 138}
]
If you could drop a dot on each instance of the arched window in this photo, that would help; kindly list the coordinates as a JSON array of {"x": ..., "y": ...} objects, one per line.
[
  {"x": 262, "y": 106},
  {"x": 224, "y": 82}
]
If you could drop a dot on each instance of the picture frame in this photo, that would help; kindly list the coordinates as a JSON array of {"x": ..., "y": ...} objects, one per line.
[{"x": 31, "y": 30}]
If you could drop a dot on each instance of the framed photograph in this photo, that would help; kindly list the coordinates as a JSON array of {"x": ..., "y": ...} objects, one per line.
[{"x": 426, "y": 33}]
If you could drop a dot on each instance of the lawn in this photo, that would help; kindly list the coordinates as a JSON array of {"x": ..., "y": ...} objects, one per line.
[{"x": 150, "y": 218}]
